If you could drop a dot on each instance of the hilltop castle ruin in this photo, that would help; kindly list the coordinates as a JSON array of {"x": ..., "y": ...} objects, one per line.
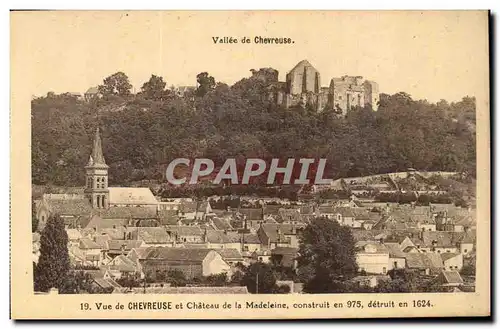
[{"x": 303, "y": 87}]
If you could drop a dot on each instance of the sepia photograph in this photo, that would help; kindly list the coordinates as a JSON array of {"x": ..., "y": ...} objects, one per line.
[{"x": 177, "y": 153}]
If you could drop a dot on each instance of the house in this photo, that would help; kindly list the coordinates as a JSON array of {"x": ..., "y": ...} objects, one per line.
[
  {"x": 452, "y": 261},
  {"x": 121, "y": 266},
  {"x": 185, "y": 234},
  {"x": 253, "y": 217},
  {"x": 372, "y": 257},
  {"x": 194, "y": 210},
  {"x": 91, "y": 93},
  {"x": 250, "y": 242},
  {"x": 279, "y": 235},
  {"x": 284, "y": 256},
  {"x": 215, "y": 239},
  {"x": 396, "y": 256},
  {"x": 193, "y": 262},
  {"x": 122, "y": 247},
  {"x": 263, "y": 256},
  {"x": 91, "y": 251},
  {"x": 450, "y": 279},
  {"x": 152, "y": 236},
  {"x": 230, "y": 256},
  {"x": 424, "y": 263},
  {"x": 221, "y": 223},
  {"x": 69, "y": 207}
]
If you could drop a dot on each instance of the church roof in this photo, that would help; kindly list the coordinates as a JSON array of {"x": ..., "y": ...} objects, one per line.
[
  {"x": 131, "y": 196},
  {"x": 71, "y": 207}
]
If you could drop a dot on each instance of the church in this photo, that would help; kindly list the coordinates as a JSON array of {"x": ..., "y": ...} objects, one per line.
[{"x": 98, "y": 206}]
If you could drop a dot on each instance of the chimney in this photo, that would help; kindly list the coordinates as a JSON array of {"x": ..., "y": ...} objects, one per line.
[{"x": 421, "y": 234}]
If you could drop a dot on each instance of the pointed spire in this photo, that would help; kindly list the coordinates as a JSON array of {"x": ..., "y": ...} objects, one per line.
[{"x": 97, "y": 156}]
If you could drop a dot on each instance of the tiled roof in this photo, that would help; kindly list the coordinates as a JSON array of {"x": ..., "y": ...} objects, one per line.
[
  {"x": 147, "y": 212},
  {"x": 131, "y": 196},
  {"x": 107, "y": 283},
  {"x": 179, "y": 254},
  {"x": 70, "y": 207},
  {"x": 423, "y": 260},
  {"x": 185, "y": 230},
  {"x": 229, "y": 254},
  {"x": 254, "y": 214},
  {"x": 152, "y": 235},
  {"x": 251, "y": 238},
  {"x": 193, "y": 206},
  {"x": 271, "y": 231},
  {"x": 221, "y": 224},
  {"x": 123, "y": 264},
  {"x": 452, "y": 277},
  {"x": 139, "y": 253},
  {"x": 215, "y": 236},
  {"x": 370, "y": 247},
  {"x": 394, "y": 249},
  {"x": 86, "y": 243},
  {"x": 448, "y": 255},
  {"x": 100, "y": 223},
  {"x": 102, "y": 240},
  {"x": 127, "y": 244}
]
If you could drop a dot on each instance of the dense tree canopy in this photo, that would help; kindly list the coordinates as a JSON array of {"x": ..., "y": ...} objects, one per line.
[
  {"x": 116, "y": 84},
  {"x": 142, "y": 133},
  {"x": 326, "y": 256}
]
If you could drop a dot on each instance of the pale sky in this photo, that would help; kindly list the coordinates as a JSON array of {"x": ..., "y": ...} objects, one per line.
[{"x": 433, "y": 55}]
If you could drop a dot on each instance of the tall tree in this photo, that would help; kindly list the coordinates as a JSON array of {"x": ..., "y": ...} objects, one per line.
[
  {"x": 53, "y": 264},
  {"x": 206, "y": 83},
  {"x": 259, "y": 278},
  {"x": 154, "y": 89},
  {"x": 326, "y": 256},
  {"x": 116, "y": 84}
]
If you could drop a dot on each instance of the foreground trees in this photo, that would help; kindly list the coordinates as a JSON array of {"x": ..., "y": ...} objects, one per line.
[
  {"x": 326, "y": 256},
  {"x": 53, "y": 264}
]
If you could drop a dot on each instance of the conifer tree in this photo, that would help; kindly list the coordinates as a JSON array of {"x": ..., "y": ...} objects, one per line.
[{"x": 53, "y": 264}]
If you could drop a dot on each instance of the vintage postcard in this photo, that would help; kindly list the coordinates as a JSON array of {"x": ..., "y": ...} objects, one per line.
[{"x": 250, "y": 164}]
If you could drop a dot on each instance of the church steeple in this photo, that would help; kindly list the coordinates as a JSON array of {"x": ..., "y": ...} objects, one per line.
[
  {"x": 97, "y": 157},
  {"x": 96, "y": 169}
]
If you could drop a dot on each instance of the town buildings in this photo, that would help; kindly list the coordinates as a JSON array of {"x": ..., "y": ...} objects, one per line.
[{"x": 121, "y": 232}]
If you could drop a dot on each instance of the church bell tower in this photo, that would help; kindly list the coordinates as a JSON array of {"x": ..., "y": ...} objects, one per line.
[{"x": 96, "y": 188}]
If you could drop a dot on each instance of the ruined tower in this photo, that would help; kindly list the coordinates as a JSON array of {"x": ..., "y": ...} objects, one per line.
[{"x": 96, "y": 189}]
